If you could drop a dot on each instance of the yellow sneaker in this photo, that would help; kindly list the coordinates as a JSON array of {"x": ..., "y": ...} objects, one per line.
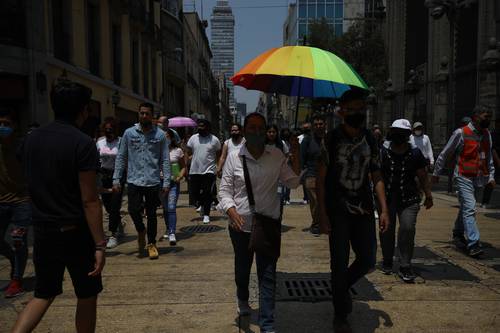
[
  {"x": 141, "y": 242},
  {"x": 152, "y": 251}
]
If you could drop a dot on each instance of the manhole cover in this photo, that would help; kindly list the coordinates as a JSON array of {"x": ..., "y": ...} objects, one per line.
[{"x": 201, "y": 229}]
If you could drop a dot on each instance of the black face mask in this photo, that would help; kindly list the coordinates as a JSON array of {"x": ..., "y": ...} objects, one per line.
[
  {"x": 399, "y": 138},
  {"x": 484, "y": 124},
  {"x": 355, "y": 120},
  {"x": 109, "y": 131},
  {"x": 235, "y": 136}
]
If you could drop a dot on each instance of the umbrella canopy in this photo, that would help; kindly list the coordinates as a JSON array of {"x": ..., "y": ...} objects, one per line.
[
  {"x": 299, "y": 71},
  {"x": 181, "y": 122}
]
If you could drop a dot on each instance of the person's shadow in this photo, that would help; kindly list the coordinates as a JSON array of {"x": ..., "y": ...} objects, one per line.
[
  {"x": 318, "y": 318},
  {"x": 365, "y": 319}
]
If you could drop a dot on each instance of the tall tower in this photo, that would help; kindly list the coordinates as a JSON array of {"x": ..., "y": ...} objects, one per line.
[{"x": 222, "y": 38}]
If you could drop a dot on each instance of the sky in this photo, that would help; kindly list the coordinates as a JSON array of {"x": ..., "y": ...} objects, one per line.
[{"x": 257, "y": 29}]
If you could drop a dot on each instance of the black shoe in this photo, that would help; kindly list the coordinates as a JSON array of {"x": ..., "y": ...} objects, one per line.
[
  {"x": 459, "y": 241},
  {"x": 341, "y": 325},
  {"x": 475, "y": 250},
  {"x": 386, "y": 269},
  {"x": 407, "y": 274},
  {"x": 315, "y": 231}
]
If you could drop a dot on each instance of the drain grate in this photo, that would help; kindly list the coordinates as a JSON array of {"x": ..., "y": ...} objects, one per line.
[
  {"x": 201, "y": 229},
  {"x": 307, "y": 288},
  {"x": 304, "y": 287}
]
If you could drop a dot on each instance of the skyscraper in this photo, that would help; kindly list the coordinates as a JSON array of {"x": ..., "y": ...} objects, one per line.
[
  {"x": 222, "y": 38},
  {"x": 339, "y": 14}
]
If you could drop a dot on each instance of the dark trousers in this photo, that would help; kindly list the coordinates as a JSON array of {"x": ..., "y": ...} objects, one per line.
[
  {"x": 112, "y": 203},
  {"x": 140, "y": 197},
  {"x": 406, "y": 234},
  {"x": 358, "y": 232},
  {"x": 266, "y": 274},
  {"x": 202, "y": 187}
]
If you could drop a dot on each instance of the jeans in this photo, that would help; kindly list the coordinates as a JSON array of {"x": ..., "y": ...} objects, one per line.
[
  {"x": 136, "y": 195},
  {"x": 112, "y": 203},
  {"x": 359, "y": 232},
  {"x": 19, "y": 214},
  {"x": 170, "y": 207},
  {"x": 406, "y": 234},
  {"x": 202, "y": 187},
  {"x": 310, "y": 184},
  {"x": 266, "y": 273},
  {"x": 466, "y": 219}
]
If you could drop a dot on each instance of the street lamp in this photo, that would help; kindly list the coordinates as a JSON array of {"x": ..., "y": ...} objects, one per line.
[{"x": 115, "y": 99}]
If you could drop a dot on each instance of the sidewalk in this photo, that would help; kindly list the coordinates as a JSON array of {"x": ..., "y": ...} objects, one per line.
[{"x": 190, "y": 288}]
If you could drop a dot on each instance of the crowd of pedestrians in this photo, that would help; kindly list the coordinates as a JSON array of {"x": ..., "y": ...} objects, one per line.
[{"x": 355, "y": 180}]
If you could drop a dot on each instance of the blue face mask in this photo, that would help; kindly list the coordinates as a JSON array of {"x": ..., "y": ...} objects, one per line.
[{"x": 5, "y": 131}]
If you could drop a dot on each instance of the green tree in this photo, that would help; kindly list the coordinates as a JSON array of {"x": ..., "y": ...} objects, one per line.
[{"x": 362, "y": 46}]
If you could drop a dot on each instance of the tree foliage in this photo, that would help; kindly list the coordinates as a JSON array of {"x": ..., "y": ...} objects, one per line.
[{"x": 362, "y": 46}]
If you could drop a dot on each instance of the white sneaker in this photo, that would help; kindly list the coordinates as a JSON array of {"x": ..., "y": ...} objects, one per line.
[
  {"x": 305, "y": 202},
  {"x": 206, "y": 219},
  {"x": 172, "y": 239},
  {"x": 165, "y": 236},
  {"x": 244, "y": 308},
  {"x": 287, "y": 203},
  {"x": 112, "y": 242},
  {"x": 198, "y": 209}
]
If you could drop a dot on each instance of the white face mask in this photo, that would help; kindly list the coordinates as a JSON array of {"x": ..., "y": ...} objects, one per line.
[{"x": 418, "y": 133}]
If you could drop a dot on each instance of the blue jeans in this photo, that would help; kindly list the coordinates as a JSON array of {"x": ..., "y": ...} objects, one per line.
[
  {"x": 466, "y": 219},
  {"x": 266, "y": 273},
  {"x": 170, "y": 207},
  {"x": 19, "y": 214}
]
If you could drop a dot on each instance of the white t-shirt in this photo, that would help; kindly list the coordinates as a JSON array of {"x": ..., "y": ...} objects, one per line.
[
  {"x": 107, "y": 152},
  {"x": 175, "y": 155},
  {"x": 205, "y": 150},
  {"x": 232, "y": 147}
]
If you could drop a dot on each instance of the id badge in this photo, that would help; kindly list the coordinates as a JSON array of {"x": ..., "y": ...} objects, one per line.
[{"x": 482, "y": 155}]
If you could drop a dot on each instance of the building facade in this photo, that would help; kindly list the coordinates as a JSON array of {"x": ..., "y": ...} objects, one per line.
[
  {"x": 440, "y": 63},
  {"x": 201, "y": 96},
  {"x": 339, "y": 14},
  {"x": 110, "y": 46},
  {"x": 174, "y": 70},
  {"x": 222, "y": 41}
]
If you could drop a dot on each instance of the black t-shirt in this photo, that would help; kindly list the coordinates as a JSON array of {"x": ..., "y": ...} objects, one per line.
[
  {"x": 53, "y": 156},
  {"x": 350, "y": 161},
  {"x": 399, "y": 172}
]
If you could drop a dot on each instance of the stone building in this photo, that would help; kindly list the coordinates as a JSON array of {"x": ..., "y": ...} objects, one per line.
[
  {"x": 174, "y": 70},
  {"x": 111, "y": 46},
  {"x": 442, "y": 62},
  {"x": 200, "y": 96}
]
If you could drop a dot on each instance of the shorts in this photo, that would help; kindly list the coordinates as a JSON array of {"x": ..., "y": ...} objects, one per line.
[{"x": 54, "y": 251}]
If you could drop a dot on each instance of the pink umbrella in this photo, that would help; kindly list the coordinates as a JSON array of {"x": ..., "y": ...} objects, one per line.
[{"x": 181, "y": 122}]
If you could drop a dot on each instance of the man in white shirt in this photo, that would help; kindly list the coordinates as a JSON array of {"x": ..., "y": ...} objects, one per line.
[
  {"x": 422, "y": 141},
  {"x": 203, "y": 150}
]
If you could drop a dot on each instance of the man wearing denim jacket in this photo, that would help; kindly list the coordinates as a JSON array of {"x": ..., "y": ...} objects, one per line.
[
  {"x": 144, "y": 153},
  {"x": 470, "y": 149}
]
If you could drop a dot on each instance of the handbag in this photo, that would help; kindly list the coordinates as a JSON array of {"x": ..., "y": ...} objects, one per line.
[{"x": 265, "y": 238}]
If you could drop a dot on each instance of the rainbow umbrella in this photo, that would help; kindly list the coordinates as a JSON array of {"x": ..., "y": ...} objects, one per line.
[{"x": 299, "y": 71}]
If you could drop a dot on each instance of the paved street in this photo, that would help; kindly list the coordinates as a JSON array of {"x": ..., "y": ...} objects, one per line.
[{"x": 190, "y": 287}]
